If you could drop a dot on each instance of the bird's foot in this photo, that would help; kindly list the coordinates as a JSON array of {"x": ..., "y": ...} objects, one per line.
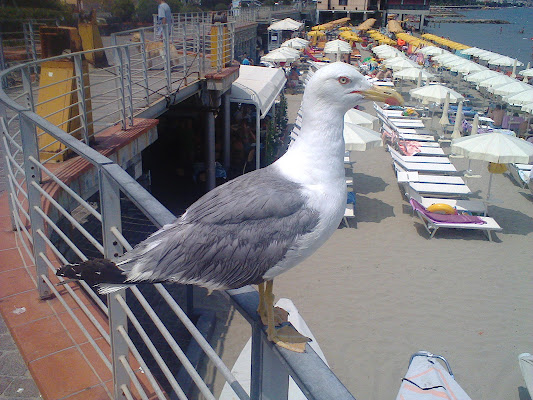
[
  {"x": 280, "y": 316},
  {"x": 289, "y": 338}
]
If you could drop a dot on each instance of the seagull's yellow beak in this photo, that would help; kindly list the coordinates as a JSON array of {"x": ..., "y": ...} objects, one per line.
[{"x": 386, "y": 95}]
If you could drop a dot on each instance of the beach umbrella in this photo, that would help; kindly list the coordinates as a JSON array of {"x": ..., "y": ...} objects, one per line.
[
  {"x": 475, "y": 125},
  {"x": 435, "y": 94},
  {"x": 359, "y": 138},
  {"x": 496, "y": 148},
  {"x": 496, "y": 81},
  {"x": 487, "y": 55},
  {"x": 509, "y": 89},
  {"x": 528, "y": 72},
  {"x": 451, "y": 62},
  {"x": 296, "y": 43},
  {"x": 281, "y": 55},
  {"x": 337, "y": 46},
  {"x": 431, "y": 51},
  {"x": 504, "y": 61},
  {"x": 399, "y": 63},
  {"x": 458, "y": 121},
  {"x": 472, "y": 51},
  {"x": 446, "y": 57},
  {"x": 468, "y": 68},
  {"x": 477, "y": 77},
  {"x": 444, "y": 118},
  {"x": 412, "y": 74},
  {"x": 361, "y": 118},
  {"x": 520, "y": 98},
  {"x": 528, "y": 108}
]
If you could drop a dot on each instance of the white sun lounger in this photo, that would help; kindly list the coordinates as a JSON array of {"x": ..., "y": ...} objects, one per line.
[
  {"x": 425, "y": 167},
  {"x": 421, "y": 159},
  {"x": 414, "y": 176},
  {"x": 474, "y": 207},
  {"x": 521, "y": 173},
  {"x": 488, "y": 226},
  {"x": 407, "y": 123},
  {"x": 440, "y": 189},
  {"x": 430, "y": 151},
  {"x": 417, "y": 137}
]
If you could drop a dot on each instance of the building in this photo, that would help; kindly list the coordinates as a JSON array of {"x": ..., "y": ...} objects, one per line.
[
  {"x": 412, "y": 10},
  {"x": 358, "y": 9}
]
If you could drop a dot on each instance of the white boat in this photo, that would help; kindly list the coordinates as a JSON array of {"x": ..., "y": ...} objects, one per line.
[
  {"x": 428, "y": 379},
  {"x": 242, "y": 368}
]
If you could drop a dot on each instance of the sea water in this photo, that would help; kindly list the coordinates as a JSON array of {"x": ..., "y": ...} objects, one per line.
[{"x": 507, "y": 39}]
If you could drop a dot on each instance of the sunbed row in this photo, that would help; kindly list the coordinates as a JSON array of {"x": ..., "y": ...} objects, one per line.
[{"x": 430, "y": 180}]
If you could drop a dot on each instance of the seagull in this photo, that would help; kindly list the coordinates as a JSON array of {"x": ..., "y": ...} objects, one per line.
[{"x": 261, "y": 224}]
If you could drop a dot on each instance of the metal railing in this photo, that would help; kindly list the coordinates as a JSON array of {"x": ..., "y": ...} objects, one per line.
[{"x": 70, "y": 229}]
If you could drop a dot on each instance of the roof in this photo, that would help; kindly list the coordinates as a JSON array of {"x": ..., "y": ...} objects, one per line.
[
  {"x": 287, "y": 24},
  {"x": 259, "y": 86}
]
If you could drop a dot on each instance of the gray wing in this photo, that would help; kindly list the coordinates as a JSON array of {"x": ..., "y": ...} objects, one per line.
[{"x": 228, "y": 238}]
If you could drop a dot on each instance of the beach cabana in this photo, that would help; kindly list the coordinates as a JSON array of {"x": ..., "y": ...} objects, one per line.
[
  {"x": 366, "y": 25},
  {"x": 258, "y": 86},
  {"x": 277, "y": 29}
]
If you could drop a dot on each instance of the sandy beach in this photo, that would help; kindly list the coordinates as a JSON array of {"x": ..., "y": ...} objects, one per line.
[{"x": 380, "y": 290}]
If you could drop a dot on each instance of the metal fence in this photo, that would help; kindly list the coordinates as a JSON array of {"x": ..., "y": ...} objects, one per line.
[{"x": 47, "y": 226}]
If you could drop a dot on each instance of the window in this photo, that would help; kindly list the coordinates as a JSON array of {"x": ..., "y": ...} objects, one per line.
[{"x": 343, "y": 2}]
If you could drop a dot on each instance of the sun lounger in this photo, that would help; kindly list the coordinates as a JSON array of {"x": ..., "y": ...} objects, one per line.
[
  {"x": 407, "y": 123},
  {"x": 414, "y": 176},
  {"x": 425, "y": 167},
  {"x": 474, "y": 207},
  {"x": 434, "y": 221},
  {"x": 428, "y": 379},
  {"x": 521, "y": 173},
  {"x": 440, "y": 189},
  {"x": 421, "y": 159}
]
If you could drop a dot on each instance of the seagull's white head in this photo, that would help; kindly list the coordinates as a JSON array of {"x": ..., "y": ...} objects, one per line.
[{"x": 340, "y": 85}]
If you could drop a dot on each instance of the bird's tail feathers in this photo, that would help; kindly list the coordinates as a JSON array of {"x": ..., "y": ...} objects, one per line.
[
  {"x": 94, "y": 272},
  {"x": 108, "y": 288}
]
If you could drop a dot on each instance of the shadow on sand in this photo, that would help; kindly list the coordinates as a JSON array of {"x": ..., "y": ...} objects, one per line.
[
  {"x": 372, "y": 210},
  {"x": 365, "y": 184},
  {"x": 512, "y": 221}
]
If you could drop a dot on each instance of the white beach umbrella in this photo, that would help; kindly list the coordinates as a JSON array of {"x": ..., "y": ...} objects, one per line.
[
  {"x": 296, "y": 43},
  {"x": 472, "y": 51},
  {"x": 509, "y": 89},
  {"x": 528, "y": 107},
  {"x": 431, "y": 51},
  {"x": 389, "y": 53},
  {"x": 487, "y": 55},
  {"x": 527, "y": 72},
  {"x": 475, "y": 125},
  {"x": 442, "y": 58},
  {"x": 451, "y": 62},
  {"x": 444, "y": 120},
  {"x": 496, "y": 81},
  {"x": 435, "y": 94},
  {"x": 504, "y": 61},
  {"x": 468, "y": 68},
  {"x": 412, "y": 74},
  {"x": 276, "y": 56},
  {"x": 458, "y": 121},
  {"x": 337, "y": 46},
  {"x": 359, "y": 138},
  {"x": 519, "y": 99},
  {"x": 494, "y": 147},
  {"x": 477, "y": 77},
  {"x": 361, "y": 118},
  {"x": 398, "y": 63}
]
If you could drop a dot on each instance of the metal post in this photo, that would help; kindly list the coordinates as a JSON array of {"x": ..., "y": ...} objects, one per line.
[
  {"x": 119, "y": 83},
  {"x": 111, "y": 218},
  {"x": 227, "y": 135},
  {"x": 82, "y": 107},
  {"x": 210, "y": 167},
  {"x": 127, "y": 75},
  {"x": 26, "y": 85},
  {"x": 33, "y": 176},
  {"x": 166, "y": 41},
  {"x": 145, "y": 67},
  {"x": 185, "y": 54},
  {"x": 257, "y": 137}
]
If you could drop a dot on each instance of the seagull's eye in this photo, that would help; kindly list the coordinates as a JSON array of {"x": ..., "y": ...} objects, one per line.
[{"x": 343, "y": 80}]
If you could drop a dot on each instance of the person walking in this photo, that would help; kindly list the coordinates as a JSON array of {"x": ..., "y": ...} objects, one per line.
[{"x": 164, "y": 17}]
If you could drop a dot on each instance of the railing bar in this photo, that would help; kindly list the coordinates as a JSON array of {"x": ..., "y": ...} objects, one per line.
[
  {"x": 126, "y": 392},
  {"x": 13, "y": 142},
  {"x": 64, "y": 212},
  {"x": 63, "y": 94},
  {"x": 173, "y": 345},
  {"x": 76, "y": 298},
  {"x": 87, "y": 288},
  {"x": 24, "y": 229},
  {"x": 19, "y": 224},
  {"x": 106, "y": 116},
  {"x": 55, "y": 155},
  {"x": 78, "y": 323},
  {"x": 139, "y": 358},
  {"x": 105, "y": 105},
  {"x": 105, "y": 92},
  {"x": 56, "y": 83},
  {"x": 12, "y": 161},
  {"x": 202, "y": 342},
  {"x": 74, "y": 248},
  {"x": 133, "y": 377},
  {"x": 15, "y": 182},
  {"x": 67, "y": 189},
  {"x": 61, "y": 110},
  {"x": 21, "y": 209},
  {"x": 146, "y": 339}
]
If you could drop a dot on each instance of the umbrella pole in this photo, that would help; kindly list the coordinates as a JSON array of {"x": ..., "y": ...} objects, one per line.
[{"x": 490, "y": 183}]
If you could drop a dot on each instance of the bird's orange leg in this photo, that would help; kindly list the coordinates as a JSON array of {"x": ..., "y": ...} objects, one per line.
[{"x": 285, "y": 336}]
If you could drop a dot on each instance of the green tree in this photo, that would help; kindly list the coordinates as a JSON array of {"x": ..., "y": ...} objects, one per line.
[
  {"x": 145, "y": 10},
  {"x": 123, "y": 10}
]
